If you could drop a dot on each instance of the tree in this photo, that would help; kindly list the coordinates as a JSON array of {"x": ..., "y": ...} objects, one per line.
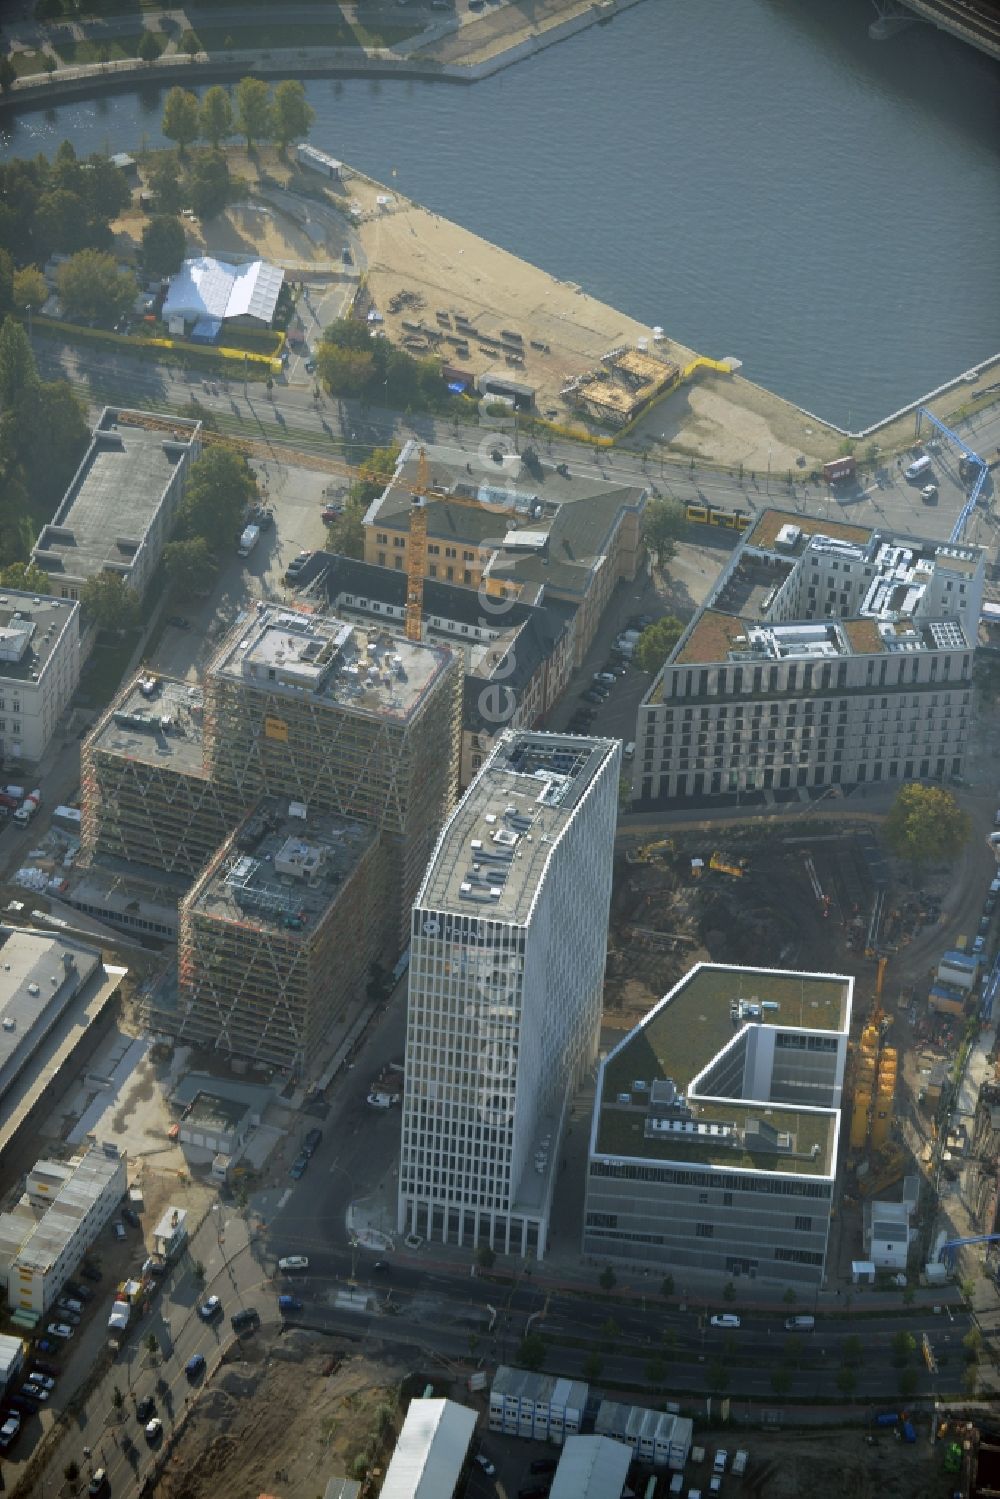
[
  {"x": 150, "y": 46},
  {"x": 346, "y": 534},
  {"x": 8, "y": 73},
  {"x": 903, "y": 1346},
  {"x": 26, "y": 576},
  {"x": 729, "y": 1292},
  {"x": 531, "y": 1352},
  {"x": 181, "y": 117},
  {"x": 110, "y": 602},
  {"x": 485, "y": 1258},
  {"x": 152, "y": 1346},
  {"x": 6, "y": 283},
  {"x": 926, "y": 823},
  {"x": 781, "y": 1381},
  {"x": 208, "y": 184},
  {"x": 106, "y": 192},
  {"x": 49, "y": 64},
  {"x": 17, "y": 363},
  {"x": 971, "y": 1344},
  {"x": 347, "y": 373},
  {"x": 189, "y": 43},
  {"x": 163, "y": 245},
  {"x": 60, "y": 221},
  {"x": 190, "y": 567},
  {"x": 164, "y": 182},
  {"x": 789, "y": 1297},
  {"x": 71, "y": 1472},
  {"x": 253, "y": 110},
  {"x": 44, "y": 435},
  {"x": 847, "y": 1380},
  {"x": 199, "y": 1272},
  {"x": 970, "y": 1381},
  {"x": 216, "y": 116},
  {"x": 592, "y": 1366},
  {"x": 220, "y": 486},
  {"x": 853, "y": 1349},
  {"x": 30, "y": 289},
  {"x": 667, "y": 1286},
  {"x": 117, "y": 1398},
  {"x": 292, "y": 115},
  {"x": 607, "y": 1279},
  {"x": 93, "y": 288},
  {"x": 908, "y": 1381},
  {"x": 657, "y": 641},
  {"x": 663, "y": 524}
]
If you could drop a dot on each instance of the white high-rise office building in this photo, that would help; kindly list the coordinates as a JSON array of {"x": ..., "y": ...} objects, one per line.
[{"x": 506, "y": 974}]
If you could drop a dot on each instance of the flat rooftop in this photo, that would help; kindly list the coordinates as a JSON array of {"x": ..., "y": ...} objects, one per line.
[
  {"x": 158, "y": 721},
  {"x": 212, "y": 1111},
  {"x": 39, "y": 976},
  {"x": 115, "y": 494},
  {"x": 360, "y": 668},
  {"x": 494, "y": 850},
  {"x": 685, "y": 1033},
  {"x": 283, "y": 870},
  {"x": 31, "y": 626},
  {"x": 44, "y": 1235}
]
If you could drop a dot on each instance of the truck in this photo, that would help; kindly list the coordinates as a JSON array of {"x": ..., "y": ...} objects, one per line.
[
  {"x": 248, "y": 540},
  {"x": 11, "y": 797},
  {"x": 118, "y": 1322},
  {"x": 68, "y": 818},
  {"x": 28, "y": 808},
  {"x": 740, "y": 1461},
  {"x": 840, "y": 470}
]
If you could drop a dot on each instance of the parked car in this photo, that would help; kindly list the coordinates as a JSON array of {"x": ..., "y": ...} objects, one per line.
[
  {"x": 210, "y": 1309},
  {"x": 118, "y": 1230},
  {"x": 484, "y": 1462},
  {"x": 607, "y": 677},
  {"x": 99, "y": 1483},
  {"x": 81, "y": 1293},
  {"x": 629, "y": 750},
  {"x": 382, "y": 1267},
  {"x": 289, "y": 1304},
  {"x": 52, "y": 1370},
  {"x": 299, "y": 1166},
  {"x": 310, "y": 366},
  {"x": 43, "y": 1381},
  {"x": 154, "y": 1430},
  {"x": 145, "y": 1409},
  {"x": 312, "y": 1141},
  {"x": 195, "y": 1366},
  {"x": 67, "y": 1304},
  {"x": 59, "y": 1330},
  {"x": 296, "y": 566},
  {"x": 293, "y": 1262},
  {"x": 592, "y": 696},
  {"x": 91, "y": 1272},
  {"x": 245, "y": 1320},
  {"x": 46, "y": 1345},
  {"x": 131, "y": 1217},
  {"x": 9, "y": 1431},
  {"x": 72, "y": 1319},
  {"x": 332, "y": 513},
  {"x": 179, "y": 622}
]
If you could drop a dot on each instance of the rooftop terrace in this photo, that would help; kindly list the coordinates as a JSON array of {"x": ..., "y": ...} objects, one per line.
[
  {"x": 684, "y": 1034},
  {"x": 495, "y": 847},
  {"x": 284, "y": 869},
  {"x": 115, "y": 494},
  {"x": 31, "y": 626},
  {"x": 158, "y": 721},
  {"x": 360, "y": 668}
]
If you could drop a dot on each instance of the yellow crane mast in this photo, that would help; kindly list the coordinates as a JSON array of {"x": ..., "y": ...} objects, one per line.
[{"x": 417, "y": 553}]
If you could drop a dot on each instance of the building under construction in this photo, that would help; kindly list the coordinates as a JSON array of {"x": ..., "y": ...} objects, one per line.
[
  {"x": 148, "y": 795},
  {"x": 278, "y": 933},
  {"x": 344, "y": 718}
]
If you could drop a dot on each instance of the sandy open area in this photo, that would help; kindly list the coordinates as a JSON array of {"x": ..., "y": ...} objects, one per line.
[{"x": 443, "y": 267}]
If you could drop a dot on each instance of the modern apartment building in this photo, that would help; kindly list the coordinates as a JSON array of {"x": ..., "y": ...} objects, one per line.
[
  {"x": 517, "y": 663},
  {"x": 827, "y": 655},
  {"x": 278, "y": 933},
  {"x": 505, "y": 982},
  {"x": 716, "y": 1126},
  {"x": 117, "y": 514},
  {"x": 39, "y": 671},
  {"x": 512, "y": 532},
  {"x": 65, "y": 1206}
]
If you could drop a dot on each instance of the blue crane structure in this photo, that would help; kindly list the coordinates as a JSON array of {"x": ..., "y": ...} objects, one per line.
[
  {"x": 946, "y": 1253},
  {"x": 979, "y": 467}
]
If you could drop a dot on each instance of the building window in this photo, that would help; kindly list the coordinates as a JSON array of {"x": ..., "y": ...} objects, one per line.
[
  {"x": 382, "y": 538},
  {"x": 803, "y": 1224},
  {"x": 432, "y": 569},
  {"x": 399, "y": 541},
  {"x": 381, "y": 559},
  {"x": 704, "y": 1230},
  {"x": 398, "y": 563}
]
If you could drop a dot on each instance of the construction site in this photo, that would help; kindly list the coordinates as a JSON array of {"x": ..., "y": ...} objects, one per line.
[{"x": 830, "y": 900}]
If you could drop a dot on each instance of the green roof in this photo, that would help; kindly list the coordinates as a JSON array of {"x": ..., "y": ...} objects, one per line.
[{"x": 686, "y": 1032}]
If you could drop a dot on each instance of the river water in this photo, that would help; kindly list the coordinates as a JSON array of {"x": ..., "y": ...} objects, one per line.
[{"x": 760, "y": 178}]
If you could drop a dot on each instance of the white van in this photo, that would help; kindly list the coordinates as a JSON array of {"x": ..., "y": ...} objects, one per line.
[
  {"x": 725, "y": 1319},
  {"x": 800, "y": 1324},
  {"x": 918, "y": 467}
]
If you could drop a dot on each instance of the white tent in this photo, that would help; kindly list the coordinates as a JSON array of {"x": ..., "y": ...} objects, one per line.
[{"x": 206, "y": 287}]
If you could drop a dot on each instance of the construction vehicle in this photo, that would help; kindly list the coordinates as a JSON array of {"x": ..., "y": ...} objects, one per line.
[
  {"x": 737, "y": 868},
  {"x": 884, "y": 1171},
  {"x": 648, "y": 853}
]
